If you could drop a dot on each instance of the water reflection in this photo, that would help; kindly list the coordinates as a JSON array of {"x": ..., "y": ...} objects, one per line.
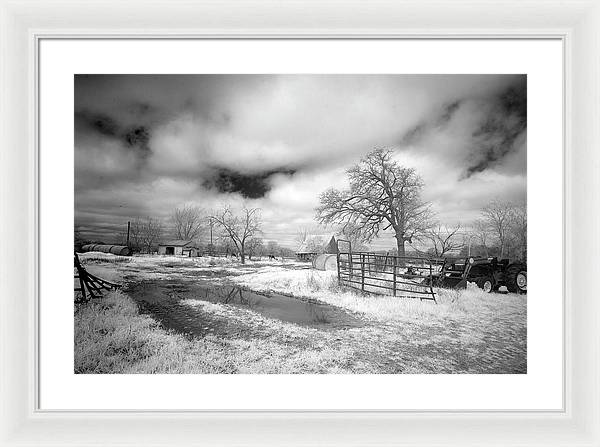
[
  {"x": 276, "y": 306},
  {"x": 164, "y": 300}
]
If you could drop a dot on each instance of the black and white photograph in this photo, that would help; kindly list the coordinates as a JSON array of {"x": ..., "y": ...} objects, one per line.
[{"x": 300, "y": 224}]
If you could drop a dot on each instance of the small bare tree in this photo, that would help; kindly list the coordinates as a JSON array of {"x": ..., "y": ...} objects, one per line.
[
  {"x": 499, "y": 215},
  {"x": 445, "y": 239},
  {"x": 481, "y": 232},
  {"x": 144, "y": 233},
  {"x": 301, "y": 236},
  {"x": 383, "y": 194},
  {"x": 254, "y": 247},
  {"x": 519, "y": 229},
  {"x": 239, "y": 228},
  {"x": 273, "y": 248},
  {"x": 314, "y": 244},
  {"x": 188, "y": 222}
]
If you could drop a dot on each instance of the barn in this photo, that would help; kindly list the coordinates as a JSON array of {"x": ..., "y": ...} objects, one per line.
[
  {"x": 331, "y": 247},
  {"x": 305, "y": 253},
  {"x": 178, "y": 247}
]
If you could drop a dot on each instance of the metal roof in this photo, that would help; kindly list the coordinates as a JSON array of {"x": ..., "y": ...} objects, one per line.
[{"x": 175, "y": 243}]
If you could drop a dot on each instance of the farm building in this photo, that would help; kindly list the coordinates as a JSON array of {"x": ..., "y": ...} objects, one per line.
[
  {"x": 331, "y": 247},
  {"x": 308, "y": 253},
  {"x": 178, "y": 247},
  {"x": 305, "y": 255}
]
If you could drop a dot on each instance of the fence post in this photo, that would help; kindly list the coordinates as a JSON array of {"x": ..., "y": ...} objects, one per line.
[
  {"x": 362, "y": 271},
  {"x": 431, "y": 281},
  {"x": 350, "y": 265},
  {"x": 394, "y": 274},
  {"x": 338, "y": 268}
]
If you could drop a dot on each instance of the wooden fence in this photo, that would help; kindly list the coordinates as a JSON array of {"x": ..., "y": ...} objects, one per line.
[{"x": 402, "y": 276}]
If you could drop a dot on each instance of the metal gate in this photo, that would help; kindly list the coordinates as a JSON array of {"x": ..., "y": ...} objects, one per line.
[{"x": 401, "y": 276}]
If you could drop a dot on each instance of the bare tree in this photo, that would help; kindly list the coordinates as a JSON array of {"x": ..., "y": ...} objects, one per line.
[
  {"x": 225, "y": 246},
  {"x": 382, "y": 195},
  {"x": 499, "y": 215},
  {"x": 273, "y": 248},
  {"x": 144, "y": 233},
  {"x": 254, "y": 246},
  {"x": 481, "y": 232},
  {"x": 314, "y": 244},
  {"x": 239, "y": 228},
  {"x": 445, "y": 239},
  {"x": 352, "y": 234},
  {"x": 301, "y": 236},
  {"x": 518, "y": 227},
  {"x": 188, "y": 222},
  {"x": 135, "y": 234}
]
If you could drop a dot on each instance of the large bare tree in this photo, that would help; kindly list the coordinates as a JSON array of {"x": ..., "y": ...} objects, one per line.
[
  {"x": 189, "y": 222},
  {"x": 382, "y": 195},
  {"x": 239, "y": 228}
]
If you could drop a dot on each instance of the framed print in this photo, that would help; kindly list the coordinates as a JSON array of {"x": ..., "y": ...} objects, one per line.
[{"x": 336, "y": 225}]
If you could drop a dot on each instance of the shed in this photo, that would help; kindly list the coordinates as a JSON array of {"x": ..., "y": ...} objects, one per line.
[
  {"x": 305, "y": 253},
  {"x": 177, "y": 247}
]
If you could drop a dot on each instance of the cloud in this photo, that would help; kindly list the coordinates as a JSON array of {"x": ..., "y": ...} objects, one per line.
[
  {"x": 249, "y": 186},
  {"x": 148, "y": 143}
]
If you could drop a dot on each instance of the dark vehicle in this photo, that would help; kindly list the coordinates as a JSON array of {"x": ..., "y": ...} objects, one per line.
[{"x": 488, "y": 273}]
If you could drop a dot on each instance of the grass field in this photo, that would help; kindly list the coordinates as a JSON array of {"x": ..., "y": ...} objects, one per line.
[{"x": 467, "y": 332}]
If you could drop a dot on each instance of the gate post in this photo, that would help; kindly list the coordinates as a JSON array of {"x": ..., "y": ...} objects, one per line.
[
  {"x": 338, "y": 268},
  {"x": 431, "y": 281},
  {"x": 394, "y": 273},
  {"x": 362, "y": 271}
]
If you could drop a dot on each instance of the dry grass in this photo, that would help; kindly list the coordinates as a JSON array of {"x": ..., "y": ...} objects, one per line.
[
  {"x": 112, "y": 337},
  {"x": 323, "y": 286}
]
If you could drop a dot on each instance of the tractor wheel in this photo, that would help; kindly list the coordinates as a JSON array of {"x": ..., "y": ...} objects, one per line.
[
  {"x": 487, "y": 284},
  {"x": 516, "y": 278}
]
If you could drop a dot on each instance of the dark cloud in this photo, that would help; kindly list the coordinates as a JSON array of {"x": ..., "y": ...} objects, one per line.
[
  {"x": 496, "y": 121},
  {"x": 436, "y": 122},
  {"x": 89, "y": 125},
  {"x": 504, "y": 123},
  {"x": 250, "y": 186},
  {"x": 97, "y": 122},
  {"x": 138, "y": 138}
]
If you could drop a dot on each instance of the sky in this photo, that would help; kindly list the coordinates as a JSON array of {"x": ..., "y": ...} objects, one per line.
[{"x": 147, "y": 144}]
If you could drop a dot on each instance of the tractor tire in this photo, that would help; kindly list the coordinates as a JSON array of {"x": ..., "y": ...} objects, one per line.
[
  {"x": 486, "y": 284},
  {"x": 516, "y": 278}
]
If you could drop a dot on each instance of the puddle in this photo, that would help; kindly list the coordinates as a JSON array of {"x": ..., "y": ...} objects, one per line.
[{"x": 163, "y": 300}]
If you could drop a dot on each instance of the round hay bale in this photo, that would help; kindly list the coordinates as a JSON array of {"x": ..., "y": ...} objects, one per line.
[
  {"x": 325, "y": 262},
  {"x": 120, "y": 250}
]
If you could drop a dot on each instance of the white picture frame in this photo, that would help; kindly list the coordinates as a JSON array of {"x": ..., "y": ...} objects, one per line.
[{"x": 22, "y": 24}]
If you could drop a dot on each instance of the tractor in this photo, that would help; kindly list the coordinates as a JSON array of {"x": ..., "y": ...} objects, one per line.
[{"x": 488, "y": 273}]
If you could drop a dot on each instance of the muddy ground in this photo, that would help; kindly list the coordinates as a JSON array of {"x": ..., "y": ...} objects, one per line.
[{"x": 484, "y": 334}]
